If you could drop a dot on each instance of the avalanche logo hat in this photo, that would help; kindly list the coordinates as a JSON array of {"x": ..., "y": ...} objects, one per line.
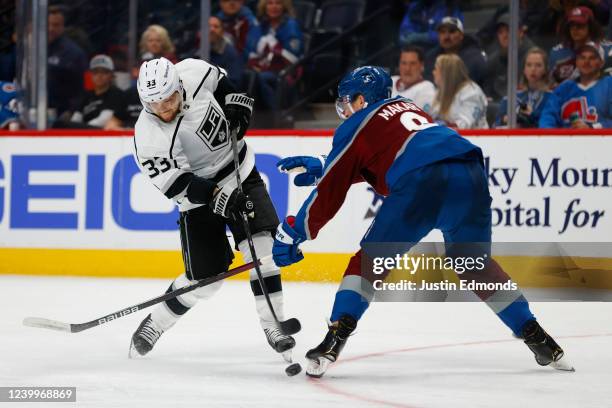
[
  {"x": 590, "y": 45},
  {"x": 579, "y": 15}
]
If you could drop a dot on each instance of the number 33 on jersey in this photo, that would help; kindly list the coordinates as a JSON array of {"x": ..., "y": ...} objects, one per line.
[
  {"x": 195, "y": 141},
  {"x": 159, "y": 165}
]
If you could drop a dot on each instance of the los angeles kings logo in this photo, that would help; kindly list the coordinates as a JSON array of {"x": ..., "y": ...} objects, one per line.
[{"x": 213, "y": 129}]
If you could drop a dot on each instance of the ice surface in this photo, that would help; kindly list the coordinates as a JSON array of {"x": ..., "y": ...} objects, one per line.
[{"x": 403, "y": 354}]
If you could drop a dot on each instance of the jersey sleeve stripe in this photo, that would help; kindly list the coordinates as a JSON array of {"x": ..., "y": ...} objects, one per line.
[
  {"x": 135, "y": 147},
  {"x": 179, "y": 185},
  {"x": 220, "y": 73},
  {"x": 202, "y": 82},
  {"x": 178, "y": 124},
  {"x": 404, "y": 146}
]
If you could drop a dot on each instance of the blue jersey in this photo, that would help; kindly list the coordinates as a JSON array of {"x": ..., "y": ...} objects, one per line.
[
  {"x": 562, "y": 61},
  {"x": 536, "y": 100},
  {"x": 423, "y": 18},
  {"x": 592, "y": 104},
  {"x": 276, "y": 48},
  {"x": 8, "y": 104},
  {"x": 378, "y": 145},
  {"x": 243, "y": 28}
]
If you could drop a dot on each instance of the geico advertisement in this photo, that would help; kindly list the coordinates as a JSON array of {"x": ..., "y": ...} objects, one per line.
[{"x": 87, "y": 192}]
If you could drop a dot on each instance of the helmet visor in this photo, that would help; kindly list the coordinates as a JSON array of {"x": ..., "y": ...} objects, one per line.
[{"x": 343, "y": 107}]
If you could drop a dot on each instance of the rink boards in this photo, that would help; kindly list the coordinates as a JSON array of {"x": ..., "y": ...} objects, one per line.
[{"x": 74, "y": 202}]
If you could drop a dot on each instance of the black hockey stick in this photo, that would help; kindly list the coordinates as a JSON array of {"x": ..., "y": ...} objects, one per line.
[
  {"x": 289, "y": 326},
  {"x": 78, "y": 327}
]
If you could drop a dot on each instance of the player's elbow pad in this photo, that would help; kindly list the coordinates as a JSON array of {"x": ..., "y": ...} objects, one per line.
[
  {"x": 224, "y": 87},
  {"x": 200, "y": 190}
]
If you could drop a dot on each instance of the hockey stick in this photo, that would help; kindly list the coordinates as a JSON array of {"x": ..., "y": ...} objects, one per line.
[
  {"x": 43, "y": 323},
  {"x": 289, "y": 326}
]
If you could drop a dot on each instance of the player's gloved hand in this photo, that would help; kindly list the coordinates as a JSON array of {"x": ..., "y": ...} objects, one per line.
[
  {"x": 238, "y": 109},
  {"x": 230, "y": 202},
  {"x": 311, "y": 167},
  {"x": 285, "y": 250}
]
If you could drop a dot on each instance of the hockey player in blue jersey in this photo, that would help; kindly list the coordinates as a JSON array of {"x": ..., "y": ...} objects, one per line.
[
  {"x": 432, "y": 178},
  {"x": 584, "y": 102}
]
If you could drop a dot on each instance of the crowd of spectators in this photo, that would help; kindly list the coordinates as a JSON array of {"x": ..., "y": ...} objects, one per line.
[
  {"x": 566, "y": 86},
  {"x": 458, "y": 74}
]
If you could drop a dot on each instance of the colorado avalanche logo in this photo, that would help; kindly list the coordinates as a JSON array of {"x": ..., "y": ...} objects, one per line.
[{"x": 579, "y": 107}]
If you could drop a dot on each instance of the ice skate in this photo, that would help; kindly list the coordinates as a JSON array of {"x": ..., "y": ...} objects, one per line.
[
  {"x": 329, "y": 350},
  {"x": 545, "y": 349},
  {"x": 281, "y": 343},
  {"x": 144, "y": 338}
]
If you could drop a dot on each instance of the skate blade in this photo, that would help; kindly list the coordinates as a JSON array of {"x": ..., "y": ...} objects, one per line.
[
  {"x": 288, "y": 356},
  {"x": 132, "y": 352},
  {"x": 316, "y": 368},
  {"x": 563, "y": 365}
]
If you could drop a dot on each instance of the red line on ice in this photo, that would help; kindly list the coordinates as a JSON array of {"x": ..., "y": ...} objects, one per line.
[{"x": 326, "y": 386}]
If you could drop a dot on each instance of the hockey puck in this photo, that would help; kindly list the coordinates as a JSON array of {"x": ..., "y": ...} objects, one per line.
[{"x": 293, "y": 369}]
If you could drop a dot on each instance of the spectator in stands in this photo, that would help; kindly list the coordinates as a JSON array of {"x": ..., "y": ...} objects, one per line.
[
  {"x": 453, "y": 41},
  {"x": 240, "y": 23},
  {"x": 584, "y": 102},
  {"x": 560, "y": 8},
  {"x": 496, "y": 80},
  {"x": 104, "y": 106},
  {"x": 223, "y": 53},
  {"x": 155, "y": 42},
  {"x": 421, "y": 19},
  {"x": 535, "y": 15},
  {"x": 133, "y": 106},
  {"x": 578, "y": 28},
  {"x": 533, "y": 93},
  {"x": 459, "y": 101},
  {"x": 279, "y": 46},
  {"x": 8, "y": 61},
  {"x": 410, "y": 82},
  {"x": 9, "y": 114},
  {"x": 66, "y": 64}
]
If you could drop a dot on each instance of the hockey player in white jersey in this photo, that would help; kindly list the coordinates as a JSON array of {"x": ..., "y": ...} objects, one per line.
[{"x": 182, "y": 144}]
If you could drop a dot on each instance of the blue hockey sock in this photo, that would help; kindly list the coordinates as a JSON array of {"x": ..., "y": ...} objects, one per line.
[
  {"x": 516, "y": 315},
  {"x": 348, "y": 302}
]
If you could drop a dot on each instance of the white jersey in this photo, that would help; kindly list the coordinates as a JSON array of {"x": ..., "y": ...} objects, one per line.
[
  {"x": 196, "y": 141},
  {"x": 422, "y": 93},
  {"x": 468, "y": 110}
]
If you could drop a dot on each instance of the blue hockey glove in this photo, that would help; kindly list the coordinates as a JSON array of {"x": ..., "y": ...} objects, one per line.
[
  {"x": 310, "y": 168},
  {"x": 285, "y": 250}
]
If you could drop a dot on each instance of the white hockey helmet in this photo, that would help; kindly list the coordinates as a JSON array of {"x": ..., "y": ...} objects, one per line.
[{"x": 157, "y": 81}]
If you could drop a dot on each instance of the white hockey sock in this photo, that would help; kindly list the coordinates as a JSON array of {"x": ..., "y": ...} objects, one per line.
[
  {"x": 164, "y": 315},
  {"x": 265, "y": 316},
  {"x": 271, "y": 273}
]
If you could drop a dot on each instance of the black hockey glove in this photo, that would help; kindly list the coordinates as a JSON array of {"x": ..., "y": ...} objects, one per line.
[
  {"x": 229, "y": 202},
  {"x": 238, "y": 109}
]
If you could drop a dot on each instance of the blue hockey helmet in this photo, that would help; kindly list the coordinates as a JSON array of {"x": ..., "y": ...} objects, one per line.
[{"x": 373, "y": 83}]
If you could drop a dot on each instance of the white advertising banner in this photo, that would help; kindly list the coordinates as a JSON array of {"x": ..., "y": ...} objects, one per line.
[{"x": 86, "y": 192}]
